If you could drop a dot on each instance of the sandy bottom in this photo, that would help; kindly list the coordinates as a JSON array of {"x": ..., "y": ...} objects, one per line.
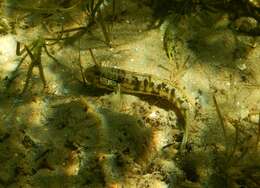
[{"x": 73, "y": 135}]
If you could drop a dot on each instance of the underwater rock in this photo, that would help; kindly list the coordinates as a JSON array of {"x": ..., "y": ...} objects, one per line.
[
  {"x": 254, "y": 3},
  {"x": 246, "y": 25}
]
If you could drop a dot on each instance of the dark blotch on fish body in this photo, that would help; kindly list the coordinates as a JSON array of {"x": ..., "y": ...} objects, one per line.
[{"x": 136, "y": 83}]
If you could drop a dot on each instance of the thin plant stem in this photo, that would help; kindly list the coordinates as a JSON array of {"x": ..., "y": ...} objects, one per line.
[
  {"x": 18, "y": 46},
  {"x": 42, "y": 73},
  {"x": 49, "y": 54},
  {"x": 28, "y": 77},
  {"x": 258, "y": 133},
  {"x": 38, "y": 61},
  {"x": 34, "y": 62},
  {"x": 80, "y": 66},
  {"x": 104, "y": 29},
  {"x": 14, "y": 74},
  {"x": 235, "y": 145},
  {"x": 93, "y": 57},
  {"x": 222, "y": 123}
]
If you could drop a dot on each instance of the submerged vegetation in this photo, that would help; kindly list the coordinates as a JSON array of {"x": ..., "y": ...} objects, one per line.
[
  {"x": 65, "y": 22},
  {"x": 113, "y": 140}
]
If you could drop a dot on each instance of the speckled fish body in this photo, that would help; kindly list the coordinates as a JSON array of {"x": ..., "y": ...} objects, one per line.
[{"x": 138, "y": 83}]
